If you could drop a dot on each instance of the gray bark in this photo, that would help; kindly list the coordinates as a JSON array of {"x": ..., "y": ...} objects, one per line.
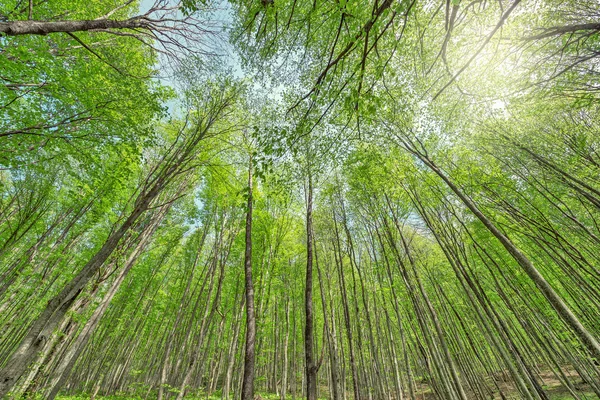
[{"x": 16, "y": 28}]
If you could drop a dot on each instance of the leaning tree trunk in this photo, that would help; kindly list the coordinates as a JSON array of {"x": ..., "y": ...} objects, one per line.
[
  {"x": 553, "y": 298},
  {"x": 57, "y": 307},
  {"x": 175, "y": 162},
  {"x": 67, "y": 363}
]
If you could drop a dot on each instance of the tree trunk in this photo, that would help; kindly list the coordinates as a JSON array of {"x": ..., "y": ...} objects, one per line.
[
  {"x": 248, "y": 381},
  {"x": 15, "y": 28},
  {"x": 311, "y": 368},
  {"x": 553, "y": 298}
]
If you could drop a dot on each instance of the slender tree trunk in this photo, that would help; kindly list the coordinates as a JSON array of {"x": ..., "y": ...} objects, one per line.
[
  {"x": 344, "y": 293},
  {"x": 67, "y": 363},
  {"x": 311, "y": 368},
  {"x": 232, "y": 350},
  {"x": 553, "y": 298},
  {"x": 286, "y": 340},
  {"x": 164, "y": 372},
  {"x": 248, "y": 381},
  {"x": 163, "y": 173},
  {"x": 328, "y": 337}
]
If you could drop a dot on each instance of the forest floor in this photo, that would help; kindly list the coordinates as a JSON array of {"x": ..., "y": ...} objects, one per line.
[
  {"x": 554, "y": 389},
  {"x": 551, "y": 384}
]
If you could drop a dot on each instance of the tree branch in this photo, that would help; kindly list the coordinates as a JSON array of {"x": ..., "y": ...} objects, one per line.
[
  {"x": 31, "y": 27},
  {"x": 561, "y": 30}
]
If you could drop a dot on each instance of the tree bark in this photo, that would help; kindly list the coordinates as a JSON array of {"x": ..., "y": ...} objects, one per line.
[
  {"x": 31, "y": 27},
  {"x": 67, "y": 363},
  {"x": 248, "y": 380},
  {"x": 311, "y": 368}
]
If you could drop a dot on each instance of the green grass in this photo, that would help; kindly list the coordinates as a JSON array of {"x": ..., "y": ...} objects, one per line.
[
  {"x": 216, "y": 396},
  {"x": 556, "y": 393},
  {"x": 264, "y": 396}
]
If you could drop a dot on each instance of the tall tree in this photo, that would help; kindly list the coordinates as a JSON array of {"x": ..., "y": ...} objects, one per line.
[{"x": 249, "y": 356}]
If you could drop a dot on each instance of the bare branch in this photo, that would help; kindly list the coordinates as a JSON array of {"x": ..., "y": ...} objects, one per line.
[
  {"x": 485, "y": 42},
  {"x": 561, "y": 30}
]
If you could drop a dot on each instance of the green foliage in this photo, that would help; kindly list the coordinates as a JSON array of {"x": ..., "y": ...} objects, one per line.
[
  {"x": 417, "y": 130},
  {"x": 64, "y": 104}
]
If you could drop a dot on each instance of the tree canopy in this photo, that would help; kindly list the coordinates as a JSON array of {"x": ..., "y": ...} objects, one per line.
[{"x": 367, "y": 199}]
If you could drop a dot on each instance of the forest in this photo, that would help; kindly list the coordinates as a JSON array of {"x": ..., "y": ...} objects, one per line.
[{"x": 285, "y": 199}]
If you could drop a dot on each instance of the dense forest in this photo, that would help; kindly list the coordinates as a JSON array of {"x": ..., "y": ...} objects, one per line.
[{"x": 320, "y": 199}]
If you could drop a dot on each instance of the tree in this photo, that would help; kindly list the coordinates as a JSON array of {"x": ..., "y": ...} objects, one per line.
[
  {"x": 248, "y": 380},
  {"x": 420, "y": 185},
  {"x": 176, "y": 162}
]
